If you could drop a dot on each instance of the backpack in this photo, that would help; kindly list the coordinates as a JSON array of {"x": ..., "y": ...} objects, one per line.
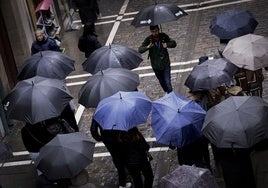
[{"x": 59, "y": 127}]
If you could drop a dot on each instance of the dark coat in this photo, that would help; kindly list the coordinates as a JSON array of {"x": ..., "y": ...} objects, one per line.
[
  {"x": 88, "y": 10},
  {"x": 88, "y": 44},
  {"x": 159, "y": 56},
  {"x": 45, "y": 44}
]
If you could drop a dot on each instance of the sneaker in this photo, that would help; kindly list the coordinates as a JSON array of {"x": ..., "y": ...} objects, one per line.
[{"x": 128, "y": 185}]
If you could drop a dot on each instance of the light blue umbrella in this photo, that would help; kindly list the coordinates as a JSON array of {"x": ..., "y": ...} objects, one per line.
[
  {"x": 123, "y": 110},
  {"x": 176, "y": 120}
]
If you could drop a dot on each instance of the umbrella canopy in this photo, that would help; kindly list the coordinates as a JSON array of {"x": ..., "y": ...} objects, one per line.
[
  {"x": 50, "y": 64},
  {"x": 123, "y": 110},
  {"x": 176, "y": 120},
  {"x": 210, "y": 74},
  {"x": 233, "y": 23},
  {"x": 43, "y": 5},
  {"x": 158, "y": 14},
  {"x": 249, "y": 51},
  {"x": 238, "y": 122},
  {"x": 112, "y": 56},
  {"x": 37, "y": 99},
  {"x": 65, "y": 155},
  {"x": 5, "y": 151},
  {"x": 106, "y": 83}
]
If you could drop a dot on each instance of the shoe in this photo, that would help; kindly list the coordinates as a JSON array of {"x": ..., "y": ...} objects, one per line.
[{"x": 128, "y": 185}]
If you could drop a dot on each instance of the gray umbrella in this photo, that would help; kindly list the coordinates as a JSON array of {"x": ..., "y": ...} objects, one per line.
[
  {"x": 50, "y": 64},
  {"x": 112, "y": 56},
  {"x": 238, "y": 122},
  {"x": 65, "y": 155},
  {"x": 37, "y": 99},
  {"x": 210, "y": 74},
  {"x": 249, "y": 51},
  {"x": 106, "y": 83}
]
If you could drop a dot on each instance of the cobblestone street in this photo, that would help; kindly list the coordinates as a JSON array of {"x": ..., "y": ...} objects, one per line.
[{"x": 193, "y": 40}]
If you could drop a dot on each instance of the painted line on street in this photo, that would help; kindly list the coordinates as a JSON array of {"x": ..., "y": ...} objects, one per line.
[{"x": 95, "y": 155}]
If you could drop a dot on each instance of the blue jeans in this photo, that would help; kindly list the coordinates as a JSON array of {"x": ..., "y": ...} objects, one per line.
[{"x": 163, "y": 77}]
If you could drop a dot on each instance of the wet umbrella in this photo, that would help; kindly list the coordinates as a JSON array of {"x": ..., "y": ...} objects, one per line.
[
  {"x": 50, "y": 64},
  {"x": 176, "y": 120},
  {"x": 106, "y": 83},
  {"x": 65, "y": 155},
  {"x": 37, "y": 99},
  {"x": 112, "y": 56},
  {"x": 5, "y": 151},
  {"x": 43, "y": 5},
  {"x": 238, "y": 122},
  {"x": 233, "y": 23},
  {"x": 249, "y": 51},
  {"x": 123, "y": 110},
  {"x": 158, "y": 14},
  {"x": 210, "y": 74}
]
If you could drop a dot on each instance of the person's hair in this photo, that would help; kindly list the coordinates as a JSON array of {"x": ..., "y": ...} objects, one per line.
[
  {"x": 153, "y": 27},
  {"x": 39, "y": 31}
]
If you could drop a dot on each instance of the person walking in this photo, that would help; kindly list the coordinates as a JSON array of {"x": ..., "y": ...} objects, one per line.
[
  {"x": 109, "y": 138},
  {"x": 43, "y": 43},
  {"x": 157, "y": 44},
  {"x": 88, "y": 42},
  {"x": 134, "y": 149},
  {"x": 88, "y": 10}
]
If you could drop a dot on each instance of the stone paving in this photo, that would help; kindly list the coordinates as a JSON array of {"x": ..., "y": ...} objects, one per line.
[{"x": 193, "y": 40}]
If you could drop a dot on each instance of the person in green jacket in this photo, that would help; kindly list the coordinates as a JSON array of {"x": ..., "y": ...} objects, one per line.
[{"x": 157, "y": 44}]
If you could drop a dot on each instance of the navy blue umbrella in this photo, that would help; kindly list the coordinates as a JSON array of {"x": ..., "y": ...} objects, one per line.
[
  {"x": 176, "y": 120},
  {"x": 123, "y": 110},
  {"x": 233, "y": 23}
]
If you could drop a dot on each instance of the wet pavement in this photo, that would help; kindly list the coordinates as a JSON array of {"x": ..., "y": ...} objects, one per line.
[{"x": 193, "y": 40}]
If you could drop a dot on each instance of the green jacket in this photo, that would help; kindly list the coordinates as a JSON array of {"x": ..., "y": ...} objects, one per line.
[{"x": 159, "y": 56}]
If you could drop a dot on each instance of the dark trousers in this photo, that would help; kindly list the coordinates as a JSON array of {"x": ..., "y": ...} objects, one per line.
[
  {"x": 163, "y": 77},
  {"x": 138, "y": 170}
]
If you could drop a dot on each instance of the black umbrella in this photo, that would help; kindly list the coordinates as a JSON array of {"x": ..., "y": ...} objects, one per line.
[
  {"x": 50, "y": 64},
  {"x": 65, "y": 156},
  {"x": 210, "y": 74},
  {"x": 112, "y": 56},
  {"x": 106, "y": 83},
  {"x": 158, "y": 14},
  {"x": 233, "y": 23},
  {"x": 37, "y": 99}
]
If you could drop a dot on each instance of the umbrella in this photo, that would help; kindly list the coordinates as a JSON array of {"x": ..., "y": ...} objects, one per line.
[
  {"x": 65, "y": 155},
  {"x": 43, "y": 5},
  {"x": 106, "y": 83},
  {"x": 112, "y": 56},
  {"x": 158, "y": 14},
  {"x": 123, "y": 110},
  {"x": 249, "y": 51},
  {"x": 238, "y": 122},
  {"x": 37, "y": 99},
  {"x": 210, "y": 74},
  {"x": 233, "y": 23},
  {"x": 5, "y": 151},
  {"x": 176, "y": 120},
  {"x": 50, "y": 64}
]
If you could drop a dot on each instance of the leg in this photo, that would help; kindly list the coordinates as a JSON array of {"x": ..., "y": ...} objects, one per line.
[
  {"x": 148, "y": 174},
  {"x": 167, "y": 79},
  {"x": 135, "y": 173},
  {"x": 160, "y": 76}
]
